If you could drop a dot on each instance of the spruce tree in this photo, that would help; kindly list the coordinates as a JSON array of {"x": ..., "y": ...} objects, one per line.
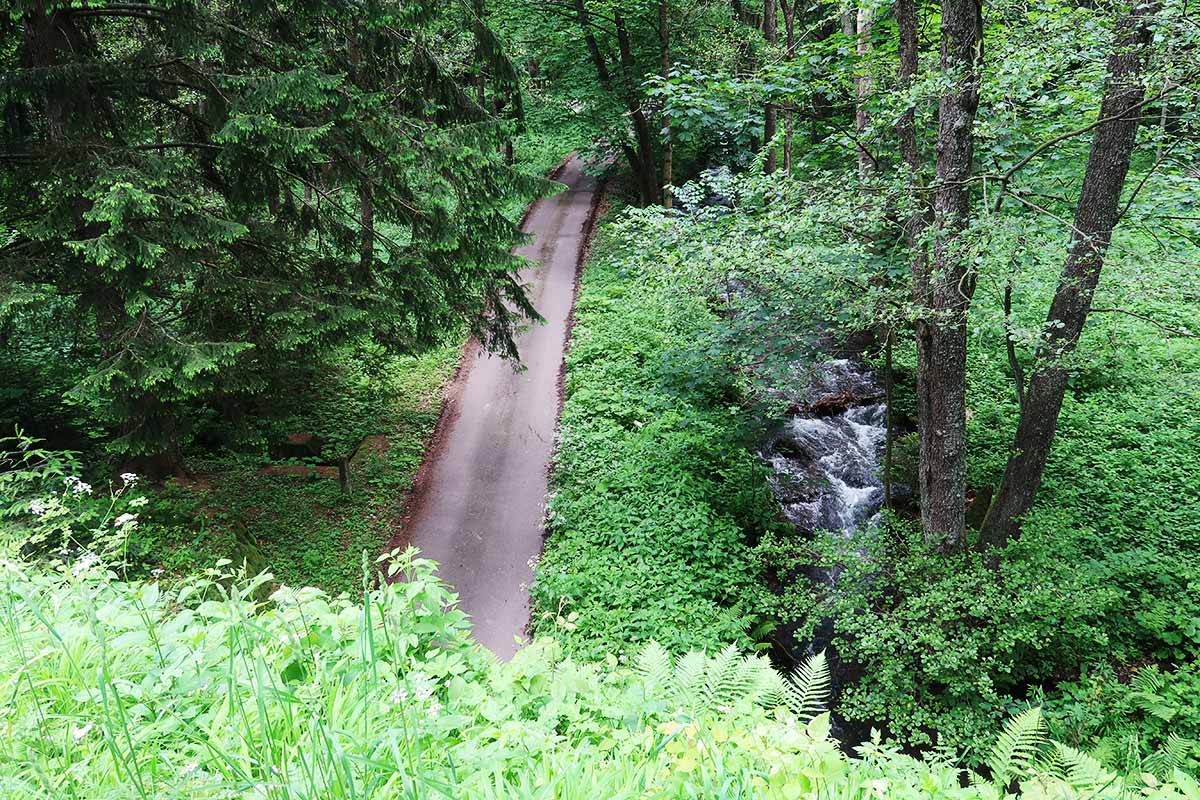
[{"x": 220, "y": 188}]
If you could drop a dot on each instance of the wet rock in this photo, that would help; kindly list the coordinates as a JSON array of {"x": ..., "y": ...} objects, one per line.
[{"x": 825, "y": 460}]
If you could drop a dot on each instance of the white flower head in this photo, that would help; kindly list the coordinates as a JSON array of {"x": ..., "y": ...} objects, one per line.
[
  {"x": 422, "y": 686},
  {"x": 84, "y": 564},
  {"x": 38, "y": 507},
  {"x": 129, "y": 478},
  {"x": 124, "y": 520},
  {"x": 76, "y": 486},
  {"x": 435, "y": 708},
  {"x": 399, "y": 696},
  {"x": 78, "y": 733},
  {"x": 138, "y": 502}
]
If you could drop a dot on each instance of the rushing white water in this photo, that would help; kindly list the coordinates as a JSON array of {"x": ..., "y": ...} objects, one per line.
[{"x": 825, "y": 459}]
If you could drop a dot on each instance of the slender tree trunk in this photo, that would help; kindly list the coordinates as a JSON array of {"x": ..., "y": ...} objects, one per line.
[
  {"x": 889, "y": 380},
  {"x": 1095, "y": 217},
  {"x": 789, "y": 34},
  {"x": 906, "y": 22},
  {"x": 664, "y": 46},
  {"x": 647, "y": 175},
  {"x": 639, "y": 156},
  {"x": 944, "y": 295},
  {"x": 366, "y": 250},
  {"x": 770, "y": 112},
  {"x": 862, "y": 89},
  {"x": 589, "y": 39}
]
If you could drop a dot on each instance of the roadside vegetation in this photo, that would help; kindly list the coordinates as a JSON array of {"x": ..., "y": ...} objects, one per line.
[
  {"x": 655, "y": 497},
  {"x": 200, "y": 689}
]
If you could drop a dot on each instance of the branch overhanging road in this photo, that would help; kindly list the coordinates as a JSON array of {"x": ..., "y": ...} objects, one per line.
[{"x": 478, "y": 505}]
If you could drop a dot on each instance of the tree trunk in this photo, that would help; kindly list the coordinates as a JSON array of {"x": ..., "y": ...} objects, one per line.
[
  {"x": 664, "y": 46},
  {"x": 366, "y": 249},
  {"x": 589, "y": 39},
  {"x": 647, "y": 175},
  {"x": 639, "y": 156},
  {"x": 862, "y": 88},
  {"x": 906, "y": 22},
  {"x": 770, "y": 112},
  {"x": 944, "y": 296},
  {"x": 789, "y": 34},
  {"x": 1095, "y": 217}
]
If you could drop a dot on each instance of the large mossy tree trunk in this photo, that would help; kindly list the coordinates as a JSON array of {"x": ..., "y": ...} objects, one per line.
[{"x": 943, "y": 292}]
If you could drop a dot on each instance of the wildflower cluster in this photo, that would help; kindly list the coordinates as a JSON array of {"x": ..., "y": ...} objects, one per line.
[{"x": 421, "y": 689}]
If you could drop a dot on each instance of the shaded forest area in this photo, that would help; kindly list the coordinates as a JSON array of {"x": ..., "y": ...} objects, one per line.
[{"x": 242, "y": 247}]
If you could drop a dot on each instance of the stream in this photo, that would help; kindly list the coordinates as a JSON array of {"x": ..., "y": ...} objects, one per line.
[{"x": 825, "y": 458}]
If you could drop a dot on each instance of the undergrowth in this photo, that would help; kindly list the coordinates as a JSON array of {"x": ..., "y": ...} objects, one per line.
[
  {"x": 202, "y": 690},
  {"x": 655, "y": 499},
  {"x": 302, "y": 526}
]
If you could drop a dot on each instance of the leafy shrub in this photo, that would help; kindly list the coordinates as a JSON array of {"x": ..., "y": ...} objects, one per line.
[
  {"x": 655, "y": 499},
  {"x": 942, "y": 647},
  {"x": 198, "y": 690},
  {"x": 47, "y": 509}
]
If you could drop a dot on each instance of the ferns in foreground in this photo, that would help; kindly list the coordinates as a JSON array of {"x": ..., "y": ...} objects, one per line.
[{"x": 202, "y": 690}]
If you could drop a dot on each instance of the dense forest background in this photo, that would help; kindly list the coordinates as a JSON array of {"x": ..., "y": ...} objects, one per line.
[{"x": 241, "y": 248}]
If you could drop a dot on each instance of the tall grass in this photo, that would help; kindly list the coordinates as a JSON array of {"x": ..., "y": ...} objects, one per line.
[{"x": 206, "y": 689}]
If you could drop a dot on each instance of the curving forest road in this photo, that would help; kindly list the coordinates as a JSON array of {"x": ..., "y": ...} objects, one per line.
[{"x": 478, "y": 502}]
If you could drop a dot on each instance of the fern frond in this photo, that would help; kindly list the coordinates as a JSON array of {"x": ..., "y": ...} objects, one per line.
[
  {"x": 724, "y": 678},
  {"x": 654, "y": 666},
  {"x": 1171, "y": 756},
  {"x": 688, "y": 680},
  {"x": 1018, "y": 746},
  {"x": 1080, "y": 770},
  {"x": 806, "y": 691},
  {"x": 1147, "y": 679},
  {"x": 765, "y": 682}
]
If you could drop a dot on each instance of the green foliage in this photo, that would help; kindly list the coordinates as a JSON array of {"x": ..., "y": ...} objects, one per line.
[
  {"x": 47, "y": 508},
  {"x": 214, "y": 194},
  {"x": 654, "y": 502},
  {"x": 300, "y": 527},
  {"x": 943, "y": 647},
  {"x": 1149, "y": 722},
  {"x": 1018, "y": 747},
  {"x": 202, "y": 689}
]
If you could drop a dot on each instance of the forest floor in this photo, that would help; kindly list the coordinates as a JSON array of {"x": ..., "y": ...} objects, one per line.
[{"x": 478, "y": 501}]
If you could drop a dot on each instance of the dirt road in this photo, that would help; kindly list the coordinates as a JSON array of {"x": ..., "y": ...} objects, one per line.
[{"x": 477, "y": 507}]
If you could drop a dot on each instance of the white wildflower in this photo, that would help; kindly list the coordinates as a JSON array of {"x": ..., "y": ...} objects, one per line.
[
  {"x": 190, "y": 768},
  {"x": 38, "y": 508},
  {"x": 400, "y": 696},
  {"x": 422, "y": 686},
  {"x": 84, "y": 564},
  {"x": 126, "y": 519},
  {"x": 79, "y": 733},
  {"x": 435, "y": 708},
  {"x": 76, "y": 486},
  {"x": 129, "y": 478},
  {"x": 138, "y": 502}
]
